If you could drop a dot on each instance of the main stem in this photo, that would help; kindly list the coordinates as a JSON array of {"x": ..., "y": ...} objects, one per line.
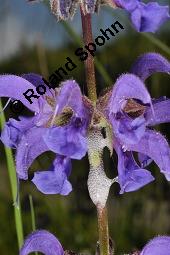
[
  {"x": 89, "y": 62},
  {"x": 91, "y": 87},
  {"x": 103, "y": 230}
]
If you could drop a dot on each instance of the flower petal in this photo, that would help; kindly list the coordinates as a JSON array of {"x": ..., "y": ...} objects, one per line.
[
  {"x": 157, "y": 246},
  {"x": 131, "y": 176},
  {"x": 54, "y": 181},
  {"x": 128, "y": 130},
  {"x": 161, "y": 111},
  {"x": 66, "y": 141},
  {"x": 42, "y": 241},
  {"x": 155, "y": 146},
  {"x": 14, "y": 86},
  {"x": 144, "y": 159},
  {"x": 30, "y": 146},
  {"x": 13, "y": 130},
  {"x": 70, "y": 96},
  {"x": 37, "y": 80},
  {"x": 143, "y": 15},
  {"x": 126, "y": 87},
  {"x": 127, "y": 5},
  {"x": 150, "y": 63}
]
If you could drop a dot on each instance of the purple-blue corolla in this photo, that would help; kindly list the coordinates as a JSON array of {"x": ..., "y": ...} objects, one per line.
[
  {"x": 63, "y": 117},
  {"x": 59, "y": 124},
  {"x": 42, "y": 241},
  {"x": 157, "y": 246},
  {"x": 145, "y": 17},
  {"x": 132, "y": 114},
  {"x": 48, "y": 244}
]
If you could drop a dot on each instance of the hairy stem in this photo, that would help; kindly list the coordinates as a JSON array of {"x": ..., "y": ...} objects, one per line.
[
  {"x": 89, "y": 62},
  {"x": 103, "y": 230}
]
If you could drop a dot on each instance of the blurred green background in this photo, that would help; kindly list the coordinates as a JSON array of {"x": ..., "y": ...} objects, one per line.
[{"x": 32, "y": 41}]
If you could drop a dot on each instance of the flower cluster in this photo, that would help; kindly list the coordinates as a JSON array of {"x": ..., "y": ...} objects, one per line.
[
  {"x": 64, "y": 117},
  {"x": 145, "y": 17}
]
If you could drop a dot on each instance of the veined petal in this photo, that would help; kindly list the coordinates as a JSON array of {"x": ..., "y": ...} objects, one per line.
[
  {"x": 54, "y": 181},
  {"x": 144, "y": 159},
  {"x": 30, "y": 146},
  {"x": 158, "y": 246},
  {"x": 42, "y": 241},
  {"x": 155, "y": 146},
  {"x": 126, "y": 87},
  {"x": 161, "y": 111},
  {"x": 150, "y": 63},
  {"x": 70, "y": 96},
  {"x": 143, "y": 17},
  {"x": 66, "y": 141},
  {"x": 13, "y": 130},
  {"x": 128, "y": 130},
  {"x": 37, "y": 80},
  {"x": 10, "y": 134},
  {"x": 14, "y": 86},
  {"x": 127, "y": 5},
  {"x": 131, "y": 176}
]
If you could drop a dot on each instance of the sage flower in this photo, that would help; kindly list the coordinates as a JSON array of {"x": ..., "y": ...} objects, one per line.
[
  {"x": 132, "y": 114},
  {"x": 145, "y": 17},
  {"x": 60, "y": 112}
]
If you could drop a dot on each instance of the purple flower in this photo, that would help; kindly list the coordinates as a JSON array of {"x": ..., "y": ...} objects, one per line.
[
  {"x": 63, "y": 119},
  {"x": 55, "y": 179},
  {"x": 59, "y": 124},
  {"x": 42, "y": 241},
  {"x": 145, "y": 17},
  {"x": 132, "y": 114},
  {"x": 157, "y": 246}
]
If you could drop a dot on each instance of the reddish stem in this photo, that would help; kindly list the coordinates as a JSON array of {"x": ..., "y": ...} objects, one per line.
[{"x": 89, "y": 62}]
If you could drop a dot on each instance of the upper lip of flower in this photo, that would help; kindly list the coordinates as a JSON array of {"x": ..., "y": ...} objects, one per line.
[{"x": 42, "y": 241}]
